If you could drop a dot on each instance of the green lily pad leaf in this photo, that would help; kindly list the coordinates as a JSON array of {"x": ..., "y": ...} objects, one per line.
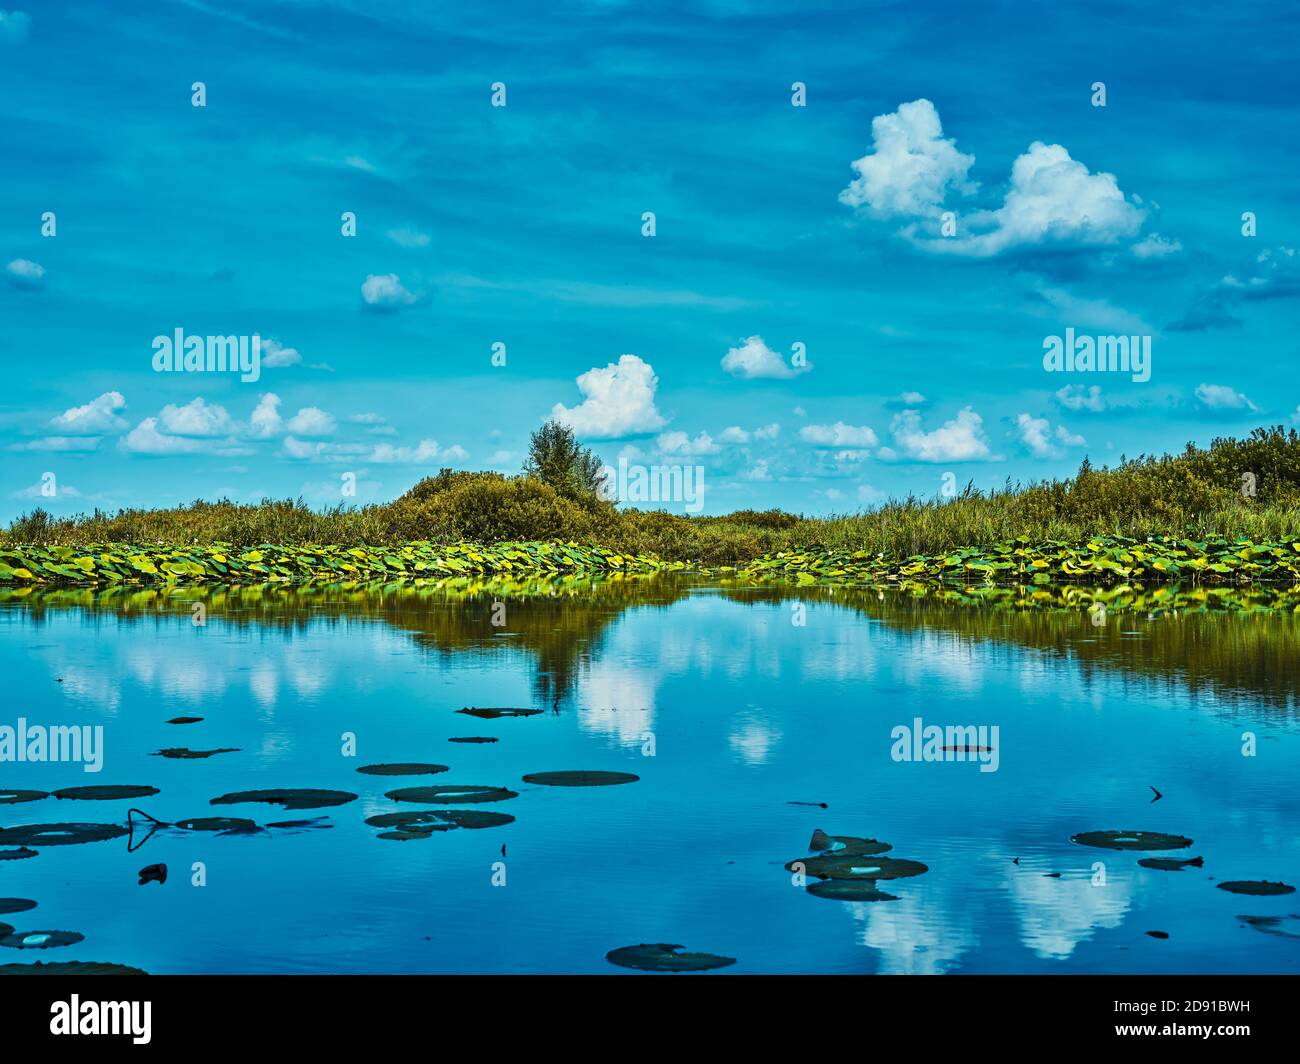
[
  {"x": 493, "y": 714},
  {"x": 185, "y": 720},
  {"x": 580, "y": 778},
  {"x": 41, "y": 939},
  {"x": 318, "y": 822},
  {"x": 473, "y": 739},
  {"x": 288, "y": 797},
  {"x": 181, "y": 753},
  {"x": 426, "y": 820},
  {"x": 70, "y": 968},
  {"x": 14, "y": 797},
  {"x": 16, "y": 905},
  {"x": 1171, "y": 864},
  {"x": 663, "y": 957},
  {"x": 849, "y": 890},
  {"x": 105, "y": 793},
  {"x": 1281, "y": 926},
  {"x": 468, "y": 793},
  {"x": 222, "y": 825},
  {"x": 858, "y": 866},
  {"x": 59, "y": 834},
  {"x": 1260, "y": 887},
  {"x": 17, "y": 855},
  {"x": 404, "y": 768},
  {"x": 1131, "y": 840},
  {"x": 846, "y": 845}
]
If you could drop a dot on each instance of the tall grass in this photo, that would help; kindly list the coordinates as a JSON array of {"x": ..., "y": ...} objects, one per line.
[{"x": 1195, "y": 494}]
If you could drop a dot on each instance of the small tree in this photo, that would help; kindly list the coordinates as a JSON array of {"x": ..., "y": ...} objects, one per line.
[{"x": 555, "y": 458}]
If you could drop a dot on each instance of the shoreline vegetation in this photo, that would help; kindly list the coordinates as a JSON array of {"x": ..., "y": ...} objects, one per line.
[{"x": 1228, "y": 514}]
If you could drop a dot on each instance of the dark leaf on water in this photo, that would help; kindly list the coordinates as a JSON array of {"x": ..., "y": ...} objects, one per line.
[
  {"x": 182, "y": 754},
  {"x": 17, "y": 855},
  {"x": 663, "y": 957},
  {"x": 493, "y": 714},
  {"x": 1131, "y": 840},
  {"x": 105, "y": 793},
  {"x": 425, "y": 820},
  {"x": 288, "y": 797},
  {"x": 849, "y": 890},
  {"x": 13, "y": 797},
  {"x": 41, "y": 939},
  {"x": 223, "y": 825},
  {"x": 1259, "y": 887},
  {"x": 455, "y": 795},
  {"x": 302, "y": 825},
  {"x": 70, "y": 968},
  {"x": 1171, "y": 864},
  {"x": 1282, "y": 926},
  {"x": 185, "y": 720},
  {"x": 59, "y": 834},
  {"x": 473, "y": 739},
  {"x": 403, "y": 768},
  {"x": 16, "y": 905},
  {"x": 154, "y": 873},
  {"x": 580, "y": 778},
  {"x": 858, "y": 866}
]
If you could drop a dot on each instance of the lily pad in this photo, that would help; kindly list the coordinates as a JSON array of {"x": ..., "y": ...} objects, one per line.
[
  {"x": 222, "y": 825},
  {"x": 14, "y": 797},
  {"x": 403, "y": 768},
  {"x": 16, "y": 905},
  {"x": 428, "y": 820},
  {"x": 1131, "y": 840},
  {"x": 302, "y": 825},
  {"x": 288, "y": 798},
  {"x": 1259, "y": 887},
  {"x": 849, "y": 890},
  {"x": 495, "y": 713},
  {"x": 18, "y": 854},
  {"x": 449, "y": 793},
  {"x": 70, "y": 968},
  {"x": 846, "y": 845},
  {"x": 185, "y": 720},
  {"x": 1171, "y": 864},
  {"x": 473, "y": 739},
  {"x": 41, "y": 939},
  {"x": 1268, "y": 925},
  {"x": 663, "y": 957},
  {"x": 105, "y": 793},
  {"x": 858, "y": 866},
  {"x": 59, "y": 834},
  {"x": 181, "y": 753},
  {"x": 580, "y": 778}
]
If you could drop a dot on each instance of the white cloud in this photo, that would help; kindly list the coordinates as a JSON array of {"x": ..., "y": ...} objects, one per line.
[
  {"x": 758, "y": 471},
  {"x": 146, "y": 439},
  {"x": 910, "y": 166},
  {"x": 753, "y": 360},
  {"x": 386, "y": 292},
  {"x": 13, "y": 26},
  {"x": 839, "y": 435},
  {"x": 619, "y": 400},
  {"x": 40, "y": 490},
  {"x": 734, "y": 434},
  {"x": 1037, "y": 435},
  {"x": 681, "y": 443},
  {"x": 1093, "y": 313},
  {"x": 1221, "y": 397},
  {"x": 958, "y": 440},
  {"x": 912, "y": 399},
  {"x": 408, "y": 238},
  {"x": 311, "y": 421},
  {"x": 196, "y": 418},
  {"x": 25, "y": 273},
  {"x": 767, "y": 432},
  {"x": 59, "y": 443},
  {"x": 1068, "y": 438},
  {"x": 98, "y": 415},
  {"x": 1077, "y": 397},
  {"x": 1155, "y": 246},
  {"x": 265, "y": 420},
  {"x": 426, "y": 451},
  {"x": 275, "y": 355}
]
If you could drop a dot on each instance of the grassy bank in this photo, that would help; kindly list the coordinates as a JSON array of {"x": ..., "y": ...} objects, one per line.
[{"x": 1195, "y": 497}]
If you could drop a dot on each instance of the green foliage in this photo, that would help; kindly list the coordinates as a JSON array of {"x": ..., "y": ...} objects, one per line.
[{"x": 556, "y": 459}]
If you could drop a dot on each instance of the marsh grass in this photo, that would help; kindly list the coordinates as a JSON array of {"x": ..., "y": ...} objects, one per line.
[{"x": 1196, "y": 494}]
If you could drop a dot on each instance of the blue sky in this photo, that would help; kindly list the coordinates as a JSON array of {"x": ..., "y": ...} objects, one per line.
[{"x": 775, "y": 225}]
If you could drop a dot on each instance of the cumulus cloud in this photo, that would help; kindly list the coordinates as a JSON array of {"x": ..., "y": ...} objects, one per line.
[
  {"x": 265, "y": 419},
  {"x": 97, "y": 416},
  {"x": 734, "y": 434},
  {"x": 145, "y": 438},
  {"x": 839, "y": 435},
  {"x": 195, "y": 418},
  {"x": 1155, "y": 246},
  {"x": 959, "y": 440},
  {"x": 910, "y": 166},
  {"x": 618, "y": 400},
  {"x": 385, "y": 292},
  {"x": 23, "y": 273},
  {"x": 59, "y": 443},
  {"x": 681, "y": 443},
  {"x": 1077, "y": 397},
  {"x": 1221, "y": 397},
  {"x": 1037, "y": 436},
  {"x": 311, "y": 421},
  {"x": 753, "y": 359},
  {"x": 275, "y": 355}
]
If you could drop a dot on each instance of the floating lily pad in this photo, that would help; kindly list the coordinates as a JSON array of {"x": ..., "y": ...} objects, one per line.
[
  {"x": 105, "y": 793},
  {"x": 16, "y": 905},
  {"x": 846, "y": 845},
  {"x": 222, "y": 825},
  {"x": 1268, "y": 925},
  {"x": 302, "y": 825},
  {"x": 663, "y": 957},
  {"x": 449, "y": 793},
  {"x": 1171, "y": 864},
  {"x": 403, "y": 768},
  {"x": 1131, "y": 840},
  {"x": 580, "y": 778},
  {"x": 1259, "y": 887},
  {"x": 427, "y": 820},
  {"x": 1157, "y": 934},
  {"x": 858, "y": 866},
  {"x": 18, "y": 854},
  {"x": 185, "y": 720},
  {"x": 5, "y": 929},
  {"x": 41, "y": 939},
  {"x": 181, "y": 753},
  {"x": 849, "y": 890},
  {"x": 70, "y": 968},
  {"x": 493, "y": 714},
  {"x": 59, "y": 834},
  {"x": 13, "y": 797},
  {"x": 407, "y": 836},
  {"x": 288, "y": 798},
  {"x": 473, "y": 739}
]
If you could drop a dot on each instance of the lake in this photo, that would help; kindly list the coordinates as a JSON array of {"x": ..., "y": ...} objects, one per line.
[{"x": 742, "y": 709}]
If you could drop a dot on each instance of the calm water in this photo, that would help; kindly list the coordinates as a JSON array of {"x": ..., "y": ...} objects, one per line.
[{"x": 746, "y": 711}]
